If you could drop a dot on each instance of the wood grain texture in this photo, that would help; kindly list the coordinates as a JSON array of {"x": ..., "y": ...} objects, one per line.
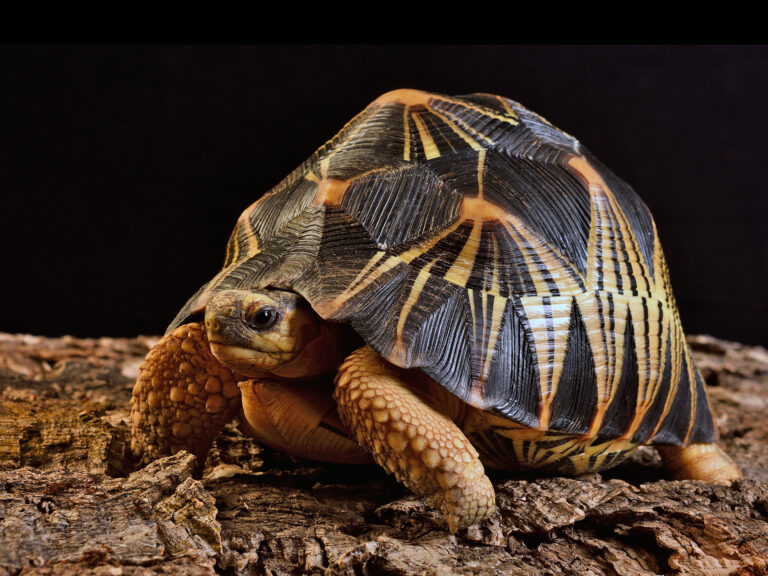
[{"x": 64, "y": 418}]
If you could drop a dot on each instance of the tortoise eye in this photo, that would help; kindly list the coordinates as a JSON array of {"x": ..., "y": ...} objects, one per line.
[{"x": 261, "y": 319}]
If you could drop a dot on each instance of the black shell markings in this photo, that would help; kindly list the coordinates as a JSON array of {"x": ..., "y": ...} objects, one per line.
[{"x": 470, "y": 238}]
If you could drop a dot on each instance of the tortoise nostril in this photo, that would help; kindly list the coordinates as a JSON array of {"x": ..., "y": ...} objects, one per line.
[{"x": 212, "y": 325}]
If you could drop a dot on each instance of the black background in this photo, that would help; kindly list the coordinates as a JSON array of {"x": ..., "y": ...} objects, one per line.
[{"x": 123, "y": 169}]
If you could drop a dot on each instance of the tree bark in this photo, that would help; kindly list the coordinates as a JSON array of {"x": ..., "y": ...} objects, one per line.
[{"x": 68, "y": 507}]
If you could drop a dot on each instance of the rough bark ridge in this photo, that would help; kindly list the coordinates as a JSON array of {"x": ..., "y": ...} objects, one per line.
[{"x": 67, "y": 508}]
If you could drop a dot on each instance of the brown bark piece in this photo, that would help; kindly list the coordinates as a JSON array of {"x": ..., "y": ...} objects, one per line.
[
  {"x": 55, "y": 516},
  {"x": 66, "y": 507}
]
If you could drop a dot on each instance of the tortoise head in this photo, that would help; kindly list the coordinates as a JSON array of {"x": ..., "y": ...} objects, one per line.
[{"x": 269, "y": 333}]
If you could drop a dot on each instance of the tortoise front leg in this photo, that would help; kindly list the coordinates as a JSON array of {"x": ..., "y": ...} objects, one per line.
[
  {"x": 423, "y": 448},
  {"x": 182, "y": 398}
]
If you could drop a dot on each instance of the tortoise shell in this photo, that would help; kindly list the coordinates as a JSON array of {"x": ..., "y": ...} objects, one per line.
[{"x": 470, "y": 238}]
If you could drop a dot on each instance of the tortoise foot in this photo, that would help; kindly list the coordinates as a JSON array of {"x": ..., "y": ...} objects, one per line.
[
  {"x": 423, "y": 448},
  {"x": 700, "y": 461},
  {"x": 182, "y": 398}
]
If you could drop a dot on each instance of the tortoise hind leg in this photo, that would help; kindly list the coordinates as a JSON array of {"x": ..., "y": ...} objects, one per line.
[
  {"x": 700, "y": 461},
  {"x": 182, "y": 398},
  {"x": 423, "y": 448}
]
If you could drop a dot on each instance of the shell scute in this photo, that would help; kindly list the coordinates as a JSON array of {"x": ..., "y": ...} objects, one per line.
[{"x": 401, "y": 206}]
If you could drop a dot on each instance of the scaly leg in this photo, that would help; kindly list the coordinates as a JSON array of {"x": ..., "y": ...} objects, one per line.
[
  {"x": 423, "y": 448},
  {"x": 700, "y": 461},
  {"x": 182, "y": 398}
]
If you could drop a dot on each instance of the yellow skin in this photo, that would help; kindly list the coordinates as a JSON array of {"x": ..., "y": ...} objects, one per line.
[{"x": 264, "y": 353}]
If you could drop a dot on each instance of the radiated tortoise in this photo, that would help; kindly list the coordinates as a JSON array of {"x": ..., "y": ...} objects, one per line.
[{"x": 448, "y": 283}]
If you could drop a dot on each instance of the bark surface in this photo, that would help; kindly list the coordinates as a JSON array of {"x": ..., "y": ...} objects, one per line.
[{"x": 68, "y": 507}]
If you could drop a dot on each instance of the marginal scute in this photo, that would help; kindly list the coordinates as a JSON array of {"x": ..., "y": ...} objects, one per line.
[
  {"x": 703, "y": 428},
  {"x": 674, "y": 428},
  {"x": 512, "y": 384},
  {"x": 439, "y": 344},
  {"x": 621, "y": 409},
  {"x": 655, "y": 413},
  {"x": 575, "y": 402}
]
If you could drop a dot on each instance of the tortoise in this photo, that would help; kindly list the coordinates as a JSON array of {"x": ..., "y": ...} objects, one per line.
[{"x": 483, "y": 289}]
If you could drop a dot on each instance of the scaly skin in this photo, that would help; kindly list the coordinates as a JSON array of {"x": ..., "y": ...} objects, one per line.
[
  {"x": 705, "y": 462},
  {"x": 423, "y": 448},
  {"x": 182, "y": 398},
  {"x": 299, "y": 418}
]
